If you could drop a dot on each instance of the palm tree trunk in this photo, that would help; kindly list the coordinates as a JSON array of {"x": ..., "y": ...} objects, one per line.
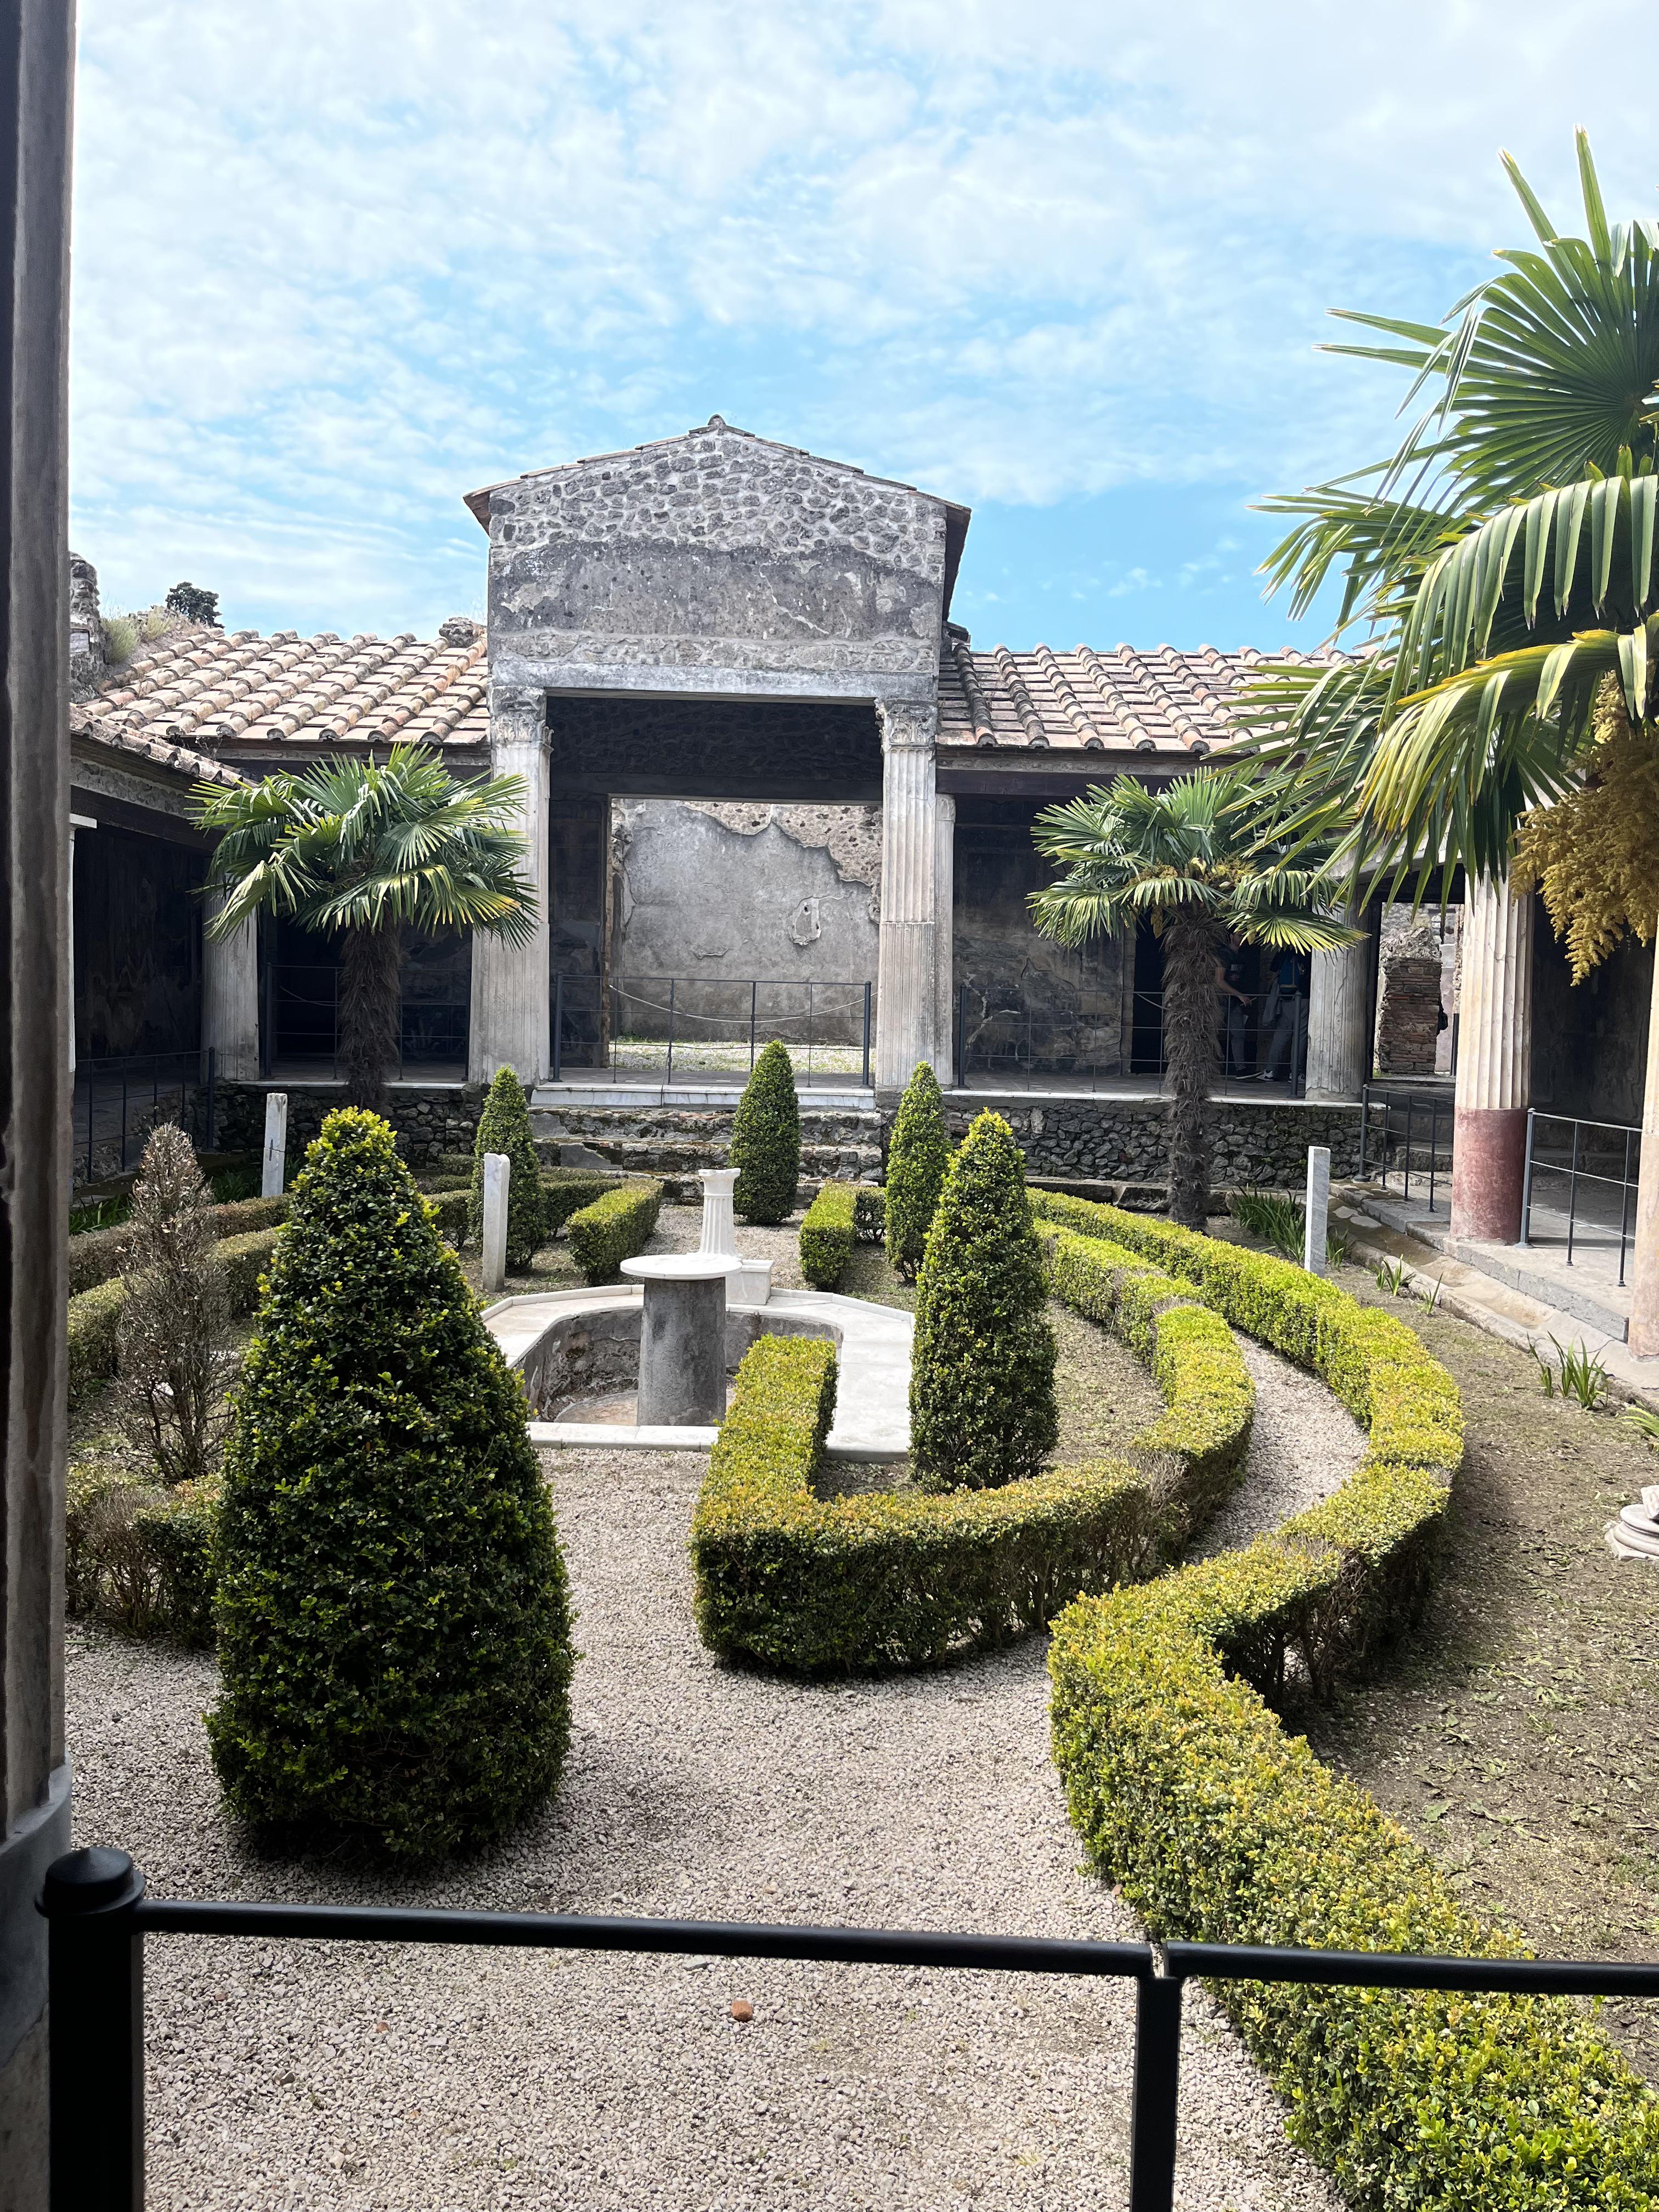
[
  {"x": 370, "y": 966},
  {"x": 1189, "y": 1059}
]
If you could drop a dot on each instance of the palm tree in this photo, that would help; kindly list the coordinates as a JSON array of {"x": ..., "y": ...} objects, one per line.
[
  {"x": 1501, "y": 564},
  {"x": 1187, "y": 860},
  {"x": 354, "y": 850}
]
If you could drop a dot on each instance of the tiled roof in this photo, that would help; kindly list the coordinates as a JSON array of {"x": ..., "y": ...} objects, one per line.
[
  {"x": 241, "y": 691},
  {"x": 113, "y": 731},
  {"x": 1084, "y": 701}
]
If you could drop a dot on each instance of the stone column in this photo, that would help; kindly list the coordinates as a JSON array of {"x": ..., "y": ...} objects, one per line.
[
  {"x": 511, "y": 1021},
  {"x": 1494, "y": 1064},
  {"x": 1338, "y": 1021},
  {"x": 906, "y": 989},
  {"x": 230, "y": 1003},
  {"x": 37, "y": 42},
  {"x": 1644, "y": 1257},
  {"x": 944, "y": 897}
]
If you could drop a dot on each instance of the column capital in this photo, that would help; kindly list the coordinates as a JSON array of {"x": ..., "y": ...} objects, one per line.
[
  {"x": 907, "y": 724},
  {"x": 516, "y": 716}
]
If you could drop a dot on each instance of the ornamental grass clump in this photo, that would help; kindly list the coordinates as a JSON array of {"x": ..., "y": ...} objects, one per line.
[
  {"x": 504, "y": 1127},
  {"x": 766, "y": 1141},
  {"x": 173, "y": 1313},
  {"x": 982, "y": 1366},
  {"x": 393, "y": 1614},
  {"x": 916, "y": 1161}
]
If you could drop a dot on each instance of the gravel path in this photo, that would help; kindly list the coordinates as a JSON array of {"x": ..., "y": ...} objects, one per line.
[
  {"x": 1303, "y": 1445},
  {"x": 309, "y": 2076}
]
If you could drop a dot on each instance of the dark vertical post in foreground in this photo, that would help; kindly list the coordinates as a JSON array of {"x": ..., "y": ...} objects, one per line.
[
  {"x": 37, "y": 45},
  {"x": 97, "y": 2033},
  {"x": 1157, "y": 2094}
]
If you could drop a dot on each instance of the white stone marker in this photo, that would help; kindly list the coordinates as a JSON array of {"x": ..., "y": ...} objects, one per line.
[
  {"x": 498, "y": 1181},
  {"x": 275, "y": 1166},
  {"x": 1318, "y": 1207}
]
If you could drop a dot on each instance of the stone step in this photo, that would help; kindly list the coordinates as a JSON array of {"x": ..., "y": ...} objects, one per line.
[{"x": 672, "y": 1125}]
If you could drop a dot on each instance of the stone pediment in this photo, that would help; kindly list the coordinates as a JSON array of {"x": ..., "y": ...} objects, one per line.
[{"x": 717, "y": 562}]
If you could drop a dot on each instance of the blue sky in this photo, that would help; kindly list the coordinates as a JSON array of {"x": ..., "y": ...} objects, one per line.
[{"x": 337, "y": 264}]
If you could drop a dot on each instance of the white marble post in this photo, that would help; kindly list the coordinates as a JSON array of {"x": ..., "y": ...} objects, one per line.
[
  {"x": 497, "y": 1183},
  {"x": 752, "y": 1284},
  {"x": 1316, "y": 1209},
  {"x": 1644, "y": 1257},
  {"x": 1494, "y": 1064},
  {"x": 76, "y": 822},
  {"x": 907, "y": 995},
  {"x": 945, "y": 898},
  {"x": 274, "y": 1167},
  {"x": 230, "y": 1003},
  {"x": 511, "y": 1022},
  {"x": 1339, "y": 1026}
]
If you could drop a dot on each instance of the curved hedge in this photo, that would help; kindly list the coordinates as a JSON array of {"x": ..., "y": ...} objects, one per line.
[
  {"x": 886, "y": 1580},
  {"x": 1221, "y": 1828},
  {"x": 613, "y": 1228}
]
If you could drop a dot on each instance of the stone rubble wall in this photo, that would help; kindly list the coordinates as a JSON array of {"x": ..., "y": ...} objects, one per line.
[
  {"x": 1127, "y": 1139},
  {"x": 427, "y": 1122}
]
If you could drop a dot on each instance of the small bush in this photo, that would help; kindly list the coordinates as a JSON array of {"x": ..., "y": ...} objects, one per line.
[
  {"x": 917, "y": 1159},
  {"x": 766, "y": 1141},
  {"x": 504, "y": 1127},
  {"x": 982, "y": 1365},
  {"x": 138, "y": 1554},
  {"x": 174, "y": 1315},
  {"x": 95, "y": 1321},
  {"x": 565, "y": 1191},
  {"x": 394, "y": 1615},
  {"x": 97, "y": 1256},
  {"x": 870, "y": 1212},
  {"x": 828, "y": 1235},
  {"x": 613, "y": 1229}
]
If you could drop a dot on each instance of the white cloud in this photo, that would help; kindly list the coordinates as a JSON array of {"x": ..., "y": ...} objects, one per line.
[{"x": 335, "y": 266}]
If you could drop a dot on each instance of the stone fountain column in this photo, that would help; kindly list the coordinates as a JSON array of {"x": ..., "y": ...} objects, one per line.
[
  {"x": 751, "y": 1285},
  {"x": 682, "y": 1338}
]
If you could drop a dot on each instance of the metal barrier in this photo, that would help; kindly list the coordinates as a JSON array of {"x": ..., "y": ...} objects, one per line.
[
  {"x": 1084, "y": 1036},
  {"x": 711, "y": 1025},
  {"x": 1409, "y": 1119},
  {"x": 1625, "y": 1148},
  {"x": 118, "y": 1102},
  {"x": 303, "y": 1021},
  {"x": 99, "y": 1915}
]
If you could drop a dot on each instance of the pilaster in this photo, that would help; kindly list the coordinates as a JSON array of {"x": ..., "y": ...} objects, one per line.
[
  {"x": 945, "y": 899},
  {"x": 1494, "y": 1064},
  {"x": 907, "y": 997},
  {"x": 510, "y": 1025}
]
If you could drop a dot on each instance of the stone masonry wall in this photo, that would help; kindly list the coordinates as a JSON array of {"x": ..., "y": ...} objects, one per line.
[
  {"x": 1127, "y": 1139},
  {"x": 427, "y": 1122}
]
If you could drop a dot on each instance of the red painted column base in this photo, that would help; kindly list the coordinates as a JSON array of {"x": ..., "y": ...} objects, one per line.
[{"x": 1488, "y": 1163}]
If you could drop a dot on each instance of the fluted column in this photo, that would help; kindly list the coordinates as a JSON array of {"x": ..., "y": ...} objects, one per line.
[
  {"x": 230, "y": 1003},
  {"x": 1645, "y": 1258},
  {"x": 1338, "y": 1022},
  {"x": 1494, "y": 1064},
  {"x": 510, "y": 1019},
  {"x": 907, "y": 1001},
  {"x": 945, "y": 899}
]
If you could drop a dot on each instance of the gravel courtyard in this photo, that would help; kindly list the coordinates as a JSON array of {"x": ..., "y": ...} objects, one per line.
[{"x": 309, "y": 2075}]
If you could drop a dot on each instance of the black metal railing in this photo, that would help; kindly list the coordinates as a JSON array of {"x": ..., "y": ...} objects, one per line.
[
  {"x": 98, "y": 1915},
  {"x": 1600, "y": 1165},
  {"x": 661, "y": 1026},
  {"x": 1001, "y": 1032},
  {"x": 1406, "y": 1132},
  {"x": 117, "y": 1101},
  {"x": 303, "y": 1021}
]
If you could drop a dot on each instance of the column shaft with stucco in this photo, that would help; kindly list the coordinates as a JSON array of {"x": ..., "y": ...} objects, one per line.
[
  {"x": 906, "y": 989},
  {"x": 1645, "y": 1258},
  {"x": 1494, "y": 1064},
  {"x": 944, "y": 897},
  {"x": 1338, "y": 1021},
  {"x": 230, "y": 1003},
  {"x": 510, "y": 1026}
]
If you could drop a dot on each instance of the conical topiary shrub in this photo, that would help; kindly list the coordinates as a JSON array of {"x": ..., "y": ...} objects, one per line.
[
  {"x": 504, "y": 1127},
  {"x": 766, "y": 1140},
  {"x": 917, "y": 1157},
  {"x": 982, "y": 1368},
  {"x": 393, "y": 1617}
]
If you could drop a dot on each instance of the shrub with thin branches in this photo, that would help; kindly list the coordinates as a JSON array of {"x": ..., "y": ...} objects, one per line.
[{"x": 174, "y": 1317}]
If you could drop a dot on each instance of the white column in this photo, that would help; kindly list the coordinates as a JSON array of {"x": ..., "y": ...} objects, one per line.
[
  {"x": 273, "y": 1168},
  {"x": 945, "y": 896},
  {"x": 76, "y": 822},
  {"x": 497, "y": 1183},
  {"x": 510, "y": 1026},
  {"x": 1339, "y": 1030},
  {"x": 230, "y": 1003},
  {"x": 1644, "y": 1259},
  {"x": 1494, "y": 1064},
  {"x": 1316, "y": 1209},
  {"x": 907, "y": 990}
]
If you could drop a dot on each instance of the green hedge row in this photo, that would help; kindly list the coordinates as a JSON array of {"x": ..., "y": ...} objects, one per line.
[
  {"x": 613, "y": 1228},
  {"x": 95, "y": 1256},
  {"x": 829, "y": 1230},
  {"x": 566, "y": 1191},
  {"x": 1221, "y": 1828},
  {"x": 881, "y": 1580},
  {"x": 139, "y": 1555}
]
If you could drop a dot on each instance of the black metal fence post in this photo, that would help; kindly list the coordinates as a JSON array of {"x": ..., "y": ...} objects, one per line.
[
  {"x": 668, "y": 1076},
  {"x": 1157, "y": 2094},
  {"x": 1572, "y": 1191},
  {"x": 1623, "y": 1210},
  {"x": 754, "y": 1008},
  {"x": 558, "y": 1028},
  {"x": 212, "y": 1094},
  {"x": 866, "y": 1039},
  {"x": 95, "y": 1984},
  {"x": 1526, "y": 1184}
]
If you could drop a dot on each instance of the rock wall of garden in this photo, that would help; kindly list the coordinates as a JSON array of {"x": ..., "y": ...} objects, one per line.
[
  {"x": 441, "y": 1119},
  {"x": 1127, "y": 1139}
]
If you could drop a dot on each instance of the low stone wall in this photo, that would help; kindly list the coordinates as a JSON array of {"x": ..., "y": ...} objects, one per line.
[
  {"x": 1127, "y": 1139},
  {"x": 440, "y": 1119}
]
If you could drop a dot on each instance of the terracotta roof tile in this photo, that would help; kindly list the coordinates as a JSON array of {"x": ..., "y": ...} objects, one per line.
[
  {"x": 116, "y": 732},
  {"x": 1159, "y": 700}
]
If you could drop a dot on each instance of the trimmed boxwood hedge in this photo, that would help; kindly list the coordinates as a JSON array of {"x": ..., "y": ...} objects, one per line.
[
  {"x": 1220, "y": 1826},
  {"x": 140, "y": 1554},
  {"x": 766, "y": 1140},
  {"x": 504, "y": 1127},
  {"x": 918, "y": 1158},
  {"x": 829, "y": 1230},
  {"x": 565, "y": 1191},
  {"x": 95, "y": 1257},
  {"x": 613, "y": 1229}
]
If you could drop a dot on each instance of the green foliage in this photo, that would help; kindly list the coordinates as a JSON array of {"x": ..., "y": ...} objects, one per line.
[
  {"x": 231, "y": 1185},
  {"x": 504, "y": 1127},
  {"x": 97, "y": 1256},
  {"x": 140, "y": 1554},
  {"x": 565, "y": 1191},
  {"x": 766, "y": 1141},
  {"x": 193, "y": 603},
  {"x": 393, "y": 1617},
  {"x": 95, "y": 1321},
  {"x": 613, "y": 1229},
  {"x": 1281, "y": 1221},
  {"x": 93, "y": 1214},
  {"x": 174, "y": 1316},
  {"x": 448, "y": 1211},
  {"x": 917, "y": 1159},
  {"x": 1645, "y": 1422},
  {"x": 1583, "y": 1378},
  {"x": 880, "y": 1580},
  {"x": 121, "y": 639},
  {"x": 982, "y": 1363},
  {"x": 828, "y": 1234},
  {"x": 870, "y": 1212}
]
